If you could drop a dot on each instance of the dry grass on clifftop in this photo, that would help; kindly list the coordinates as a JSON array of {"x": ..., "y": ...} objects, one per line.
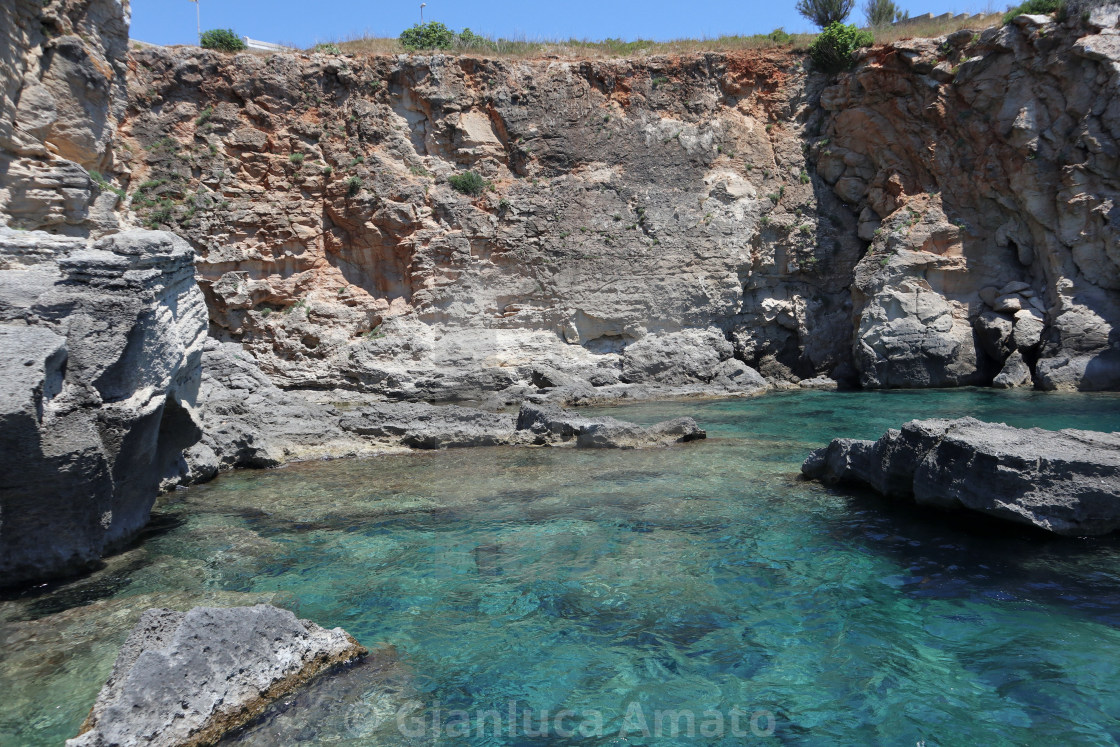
[{"x": 616, "y": 48}]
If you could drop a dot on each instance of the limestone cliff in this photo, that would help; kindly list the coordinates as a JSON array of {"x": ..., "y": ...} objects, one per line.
[
  {"x": 100, "y": 338},
  {"x": 62, "y": 89},
  {"x": 984, "y": 169},
  {"x": 940, "y": 215},
  {"x": 647, "y": 225}
]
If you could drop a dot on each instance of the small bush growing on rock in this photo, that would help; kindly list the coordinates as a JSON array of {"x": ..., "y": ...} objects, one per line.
[
  {"x": 832, "y": 50},
  {"x": 430, "y": 35},
  {"x": 328, "y": 48},
  {"x": 204, "y": 116},
  {"x": 353, "y": 186},
  {"x": 779, "y": 36},
  {"x": 224, "y": 40},
  {"x": 328, "y": 170},
  {"x": 296, "y": 158},
  {"x": 824, "y": 13},
  {"x": 1035, "y": 7},
  {"x": 469, "y": 183}
]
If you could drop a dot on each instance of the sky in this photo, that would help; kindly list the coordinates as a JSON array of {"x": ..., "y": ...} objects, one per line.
[{"x": 302, "y": 24}]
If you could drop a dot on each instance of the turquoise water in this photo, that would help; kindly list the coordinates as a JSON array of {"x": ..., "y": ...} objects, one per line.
[{"x": 702, "y": 579}]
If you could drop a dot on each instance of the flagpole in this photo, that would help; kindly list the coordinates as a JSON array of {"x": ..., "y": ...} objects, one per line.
[{"x": 198, "y": 19}]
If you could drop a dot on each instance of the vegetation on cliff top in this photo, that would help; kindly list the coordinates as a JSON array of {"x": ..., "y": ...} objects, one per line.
[
  {"x": 469, "y": 43},
  {"x": 824, "y": 13},
  {"x": 833, "y": 50},
  {"x": 1035, "y": 7},
  {"x": 224, "y": 40}
]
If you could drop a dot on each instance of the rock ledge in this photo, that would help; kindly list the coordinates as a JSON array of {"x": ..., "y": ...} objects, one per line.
[{"x": 1066, "y": 482}]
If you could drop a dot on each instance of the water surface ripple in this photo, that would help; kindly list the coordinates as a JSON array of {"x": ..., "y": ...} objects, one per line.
[{"x": 703, "y": 577}]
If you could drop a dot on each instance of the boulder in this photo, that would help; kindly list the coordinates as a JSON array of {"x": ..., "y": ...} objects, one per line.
[
  {"x": 1028, "y": 329},
  {"x": 187, "y": 678},
  {"x": 609, "y": 433},
  {"x": 1015, "y": 373},
  {"x": 102, "y": 344},
  {"x": 1066, "y": 482}
]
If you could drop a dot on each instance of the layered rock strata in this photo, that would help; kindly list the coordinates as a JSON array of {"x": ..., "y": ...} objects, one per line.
[
  {"x": 1066, "y": 482},
  {"x": 249, "y": 422},
  {"x": 62, "y": 90},
  {"x": 101, "y": 344},
  {"x": 940, "y": 216},
  {"x": 645, "y": 227},
  {"x": 187, "y": 678}
]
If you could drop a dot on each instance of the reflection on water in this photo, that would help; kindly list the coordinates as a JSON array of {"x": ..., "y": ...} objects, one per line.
[{"x": 701, "y": 577}]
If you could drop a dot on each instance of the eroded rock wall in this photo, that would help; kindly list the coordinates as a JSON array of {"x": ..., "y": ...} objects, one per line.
[
  {"x": 941, "y": 216},
  {"x": 62, "y": 90},
  {"x": 984, "y": 169},
  {"x": 100, "y": 369},
  {"x": 648, "y": 225}
]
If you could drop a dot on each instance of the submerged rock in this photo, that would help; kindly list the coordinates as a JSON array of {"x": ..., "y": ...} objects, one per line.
[
  {"x": 548, "y": 424},
  {"x": 187, "y": 678},
  {"x": 424, "y": 426},
  {"x": 1066, "y": 482}
]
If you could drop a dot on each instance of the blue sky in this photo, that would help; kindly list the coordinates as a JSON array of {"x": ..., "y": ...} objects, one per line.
[{"x": 305, "y": 23}]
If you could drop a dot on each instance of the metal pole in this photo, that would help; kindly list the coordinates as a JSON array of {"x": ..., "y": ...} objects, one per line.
[
  {"x": 422, "y": 5},
  {"x": 198, "y": 19}
]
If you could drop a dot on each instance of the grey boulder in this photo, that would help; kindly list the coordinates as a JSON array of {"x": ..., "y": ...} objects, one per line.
[
  {"x": 187, "y": 678},
  {"x": 1066, "y": 482}
]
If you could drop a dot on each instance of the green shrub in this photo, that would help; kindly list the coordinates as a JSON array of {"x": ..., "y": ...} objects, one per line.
[
  {"x": 832, "y": 50},
  {"x": 328, "y": 48},
  {"x": 430, "y": 35},
  {"x": 470, "y": 40},
  {"x": 328, "y": 170},
  {"x": 296, "y": 158},
  {"x": 779, "y": 36},
  {"x": 353, "y": 186},
  {"x": 225, "y": 40},
  {"x": 204, "y": 116},
  {"x": 1035, "y": 7},
  {"x": 469, "y": 183}
]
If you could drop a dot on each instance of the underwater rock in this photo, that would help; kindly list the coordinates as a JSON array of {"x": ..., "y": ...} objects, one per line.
[
  {"x": 1066, "y": 482},
  {"x": 187, "y": 678},
  {"x": 549, "y": 424}
]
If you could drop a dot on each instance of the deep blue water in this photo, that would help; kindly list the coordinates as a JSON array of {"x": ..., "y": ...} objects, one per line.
[{"x": 702, "y": 579}]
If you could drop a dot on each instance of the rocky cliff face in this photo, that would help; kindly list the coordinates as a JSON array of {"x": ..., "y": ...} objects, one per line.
[
  {"x": 101, "y": 340},
  {"x": 984, "y": 170},
  {"x": 101, "y": 346},
  {"x": 940, "y": 216},
  {"x": 62, "y": 89},
  {"x": 647, "y": 226}
]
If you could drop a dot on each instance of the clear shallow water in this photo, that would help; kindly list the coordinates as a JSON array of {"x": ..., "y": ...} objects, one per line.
[{"x": 697, "y": 578}]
